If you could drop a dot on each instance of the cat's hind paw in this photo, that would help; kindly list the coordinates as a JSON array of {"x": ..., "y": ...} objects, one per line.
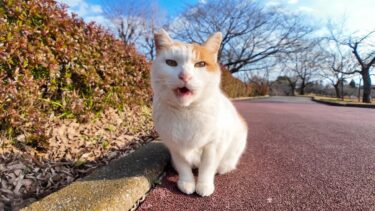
[
  {"x": 205, "y": 189},
  {"x": 225, "y": 168},
  {"x": 186, "y": 187}
]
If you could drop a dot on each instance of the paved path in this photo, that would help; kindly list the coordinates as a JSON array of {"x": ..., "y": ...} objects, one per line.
[{"x": 300, "y": 156}]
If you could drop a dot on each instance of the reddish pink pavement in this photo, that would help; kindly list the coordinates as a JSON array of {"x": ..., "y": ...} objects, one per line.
[{"x": 300, "y": 156}]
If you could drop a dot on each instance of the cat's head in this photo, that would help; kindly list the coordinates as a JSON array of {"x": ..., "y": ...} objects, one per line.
[{"x": 184, "y": 73}]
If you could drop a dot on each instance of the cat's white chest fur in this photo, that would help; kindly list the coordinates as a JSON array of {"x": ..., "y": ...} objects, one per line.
[{"x": 184, "y": 128}]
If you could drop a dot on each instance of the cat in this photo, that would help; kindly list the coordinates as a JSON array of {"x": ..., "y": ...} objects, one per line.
[{"x": 195, "y": 120}]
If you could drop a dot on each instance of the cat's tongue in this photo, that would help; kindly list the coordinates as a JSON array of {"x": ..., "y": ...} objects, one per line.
[{"x": 183, "y": 92}]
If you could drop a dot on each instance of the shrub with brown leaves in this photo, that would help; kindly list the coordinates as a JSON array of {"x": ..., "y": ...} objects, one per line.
[
  {"x": 72, "y": 98},
  {"x": 56, "y": 65},
  {"x": 234, "y": 87}
]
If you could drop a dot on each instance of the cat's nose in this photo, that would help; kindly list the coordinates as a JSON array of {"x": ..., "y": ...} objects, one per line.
[{"x": 184, "y": 77}]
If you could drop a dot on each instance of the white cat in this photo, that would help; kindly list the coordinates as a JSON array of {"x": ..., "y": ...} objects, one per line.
[{"x": 194, "y": 119}]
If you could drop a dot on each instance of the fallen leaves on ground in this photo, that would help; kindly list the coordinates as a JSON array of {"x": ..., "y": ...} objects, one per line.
[{"x": 74, "y": 150}]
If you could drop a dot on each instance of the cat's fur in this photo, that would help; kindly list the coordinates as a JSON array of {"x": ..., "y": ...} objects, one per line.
[{"x": 198, "y": 124}]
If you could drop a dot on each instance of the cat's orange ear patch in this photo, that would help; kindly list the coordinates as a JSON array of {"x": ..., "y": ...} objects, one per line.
[
  {"x": 213, "y": 42},
  {"x": 162, "y": 40},
  {"x": 203, "y": 54}
]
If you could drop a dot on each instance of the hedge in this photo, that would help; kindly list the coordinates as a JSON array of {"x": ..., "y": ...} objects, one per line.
[{"x": 53, "y": 64}]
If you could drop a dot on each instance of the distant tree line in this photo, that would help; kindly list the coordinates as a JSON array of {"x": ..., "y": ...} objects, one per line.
[{"x": 257, "y": 38}]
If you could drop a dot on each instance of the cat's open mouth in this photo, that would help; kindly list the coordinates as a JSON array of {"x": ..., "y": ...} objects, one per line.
[{"x": 183, "y": 92}]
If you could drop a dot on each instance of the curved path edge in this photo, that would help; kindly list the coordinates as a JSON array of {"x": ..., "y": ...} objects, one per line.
[
  {"x": 117, "y": 186},
  {"x": 342, "y": 103}
]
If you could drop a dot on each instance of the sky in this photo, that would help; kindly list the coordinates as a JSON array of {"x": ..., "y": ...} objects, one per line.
[
  {"x": 359, "y": 15},
  {"x": 93, "y": 10}
]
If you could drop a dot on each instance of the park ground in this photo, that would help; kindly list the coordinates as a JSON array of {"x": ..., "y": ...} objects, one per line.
[{"x": 300, "y": 155}]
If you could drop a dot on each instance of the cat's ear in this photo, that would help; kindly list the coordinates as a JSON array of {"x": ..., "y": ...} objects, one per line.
[
  {"x": 213, "y": 42},
  {"x": 162, "y": 39}
]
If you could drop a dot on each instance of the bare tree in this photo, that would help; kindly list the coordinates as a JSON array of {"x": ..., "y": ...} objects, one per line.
[
  {"x": 136, "y": 21},
  {"x": 284, "y": 84},
  {"x": 366, "y": 62},
  {"x": 335, "y": 77},
  {"x": 252, "y": 34},
  {"x": 128, "y": 17},
  {"x": 336, "y": 66},
  {"x": 286, "y": 72},
  {"x": 363, "y": 51},
  {"x": 292, "y": 81},
  {"x": 303, "y": 64}
]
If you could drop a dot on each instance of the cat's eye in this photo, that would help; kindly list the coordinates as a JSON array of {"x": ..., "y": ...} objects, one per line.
[
  {"x": 171, "y": 62},
  {"x": 200, "y": 64}
]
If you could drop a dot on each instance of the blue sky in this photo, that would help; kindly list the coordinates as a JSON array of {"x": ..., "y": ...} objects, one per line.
[
  {"x": 359, "y": 14},
  {"x": 174, "y": 8},
  {"x": 90, "y": 8}
]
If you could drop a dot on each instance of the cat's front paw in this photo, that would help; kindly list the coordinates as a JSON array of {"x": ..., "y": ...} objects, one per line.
[
  {"x": 186, "y": 187},
  {"x": 205, "y": 189}
]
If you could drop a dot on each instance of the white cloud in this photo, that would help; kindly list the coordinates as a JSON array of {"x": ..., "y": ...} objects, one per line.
[
  {"x": 358, "y": 13},
  {"x": 292, "y": 1},
  {"x": 96, "y": 9},
  {"x": 101, "y": 20},
  {"x": 82, "y": 8},
  {"x": 306, "y": 9},
  {"x": 203, "y": 1},
  {"x": 71, "y": 3},
  {"x": 89, "y": 12},
  {"x": 276, "y": 3},
  {"x": 272, "y": 3}
]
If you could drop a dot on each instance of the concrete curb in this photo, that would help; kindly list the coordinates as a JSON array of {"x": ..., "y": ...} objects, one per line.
[
  {"x": 117, "y": 186},
  {"x": 342, "y": 103},
  {"x": 249, "y": 98}
]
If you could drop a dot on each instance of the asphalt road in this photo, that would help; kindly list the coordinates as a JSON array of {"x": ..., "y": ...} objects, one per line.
[{"x": 300, "y": 156}]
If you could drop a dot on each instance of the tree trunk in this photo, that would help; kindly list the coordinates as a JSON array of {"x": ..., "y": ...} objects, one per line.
[
  {"x": 293, "y": 89},
  {"x": 151, "y": 52},
  {"x": 302, "y": 90},
  {"x": 337, "y": 90},
  {"x": 366, "y": 85},
  {"x": 342, "y": 89},
  {"x": 292, "y": 85}
]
